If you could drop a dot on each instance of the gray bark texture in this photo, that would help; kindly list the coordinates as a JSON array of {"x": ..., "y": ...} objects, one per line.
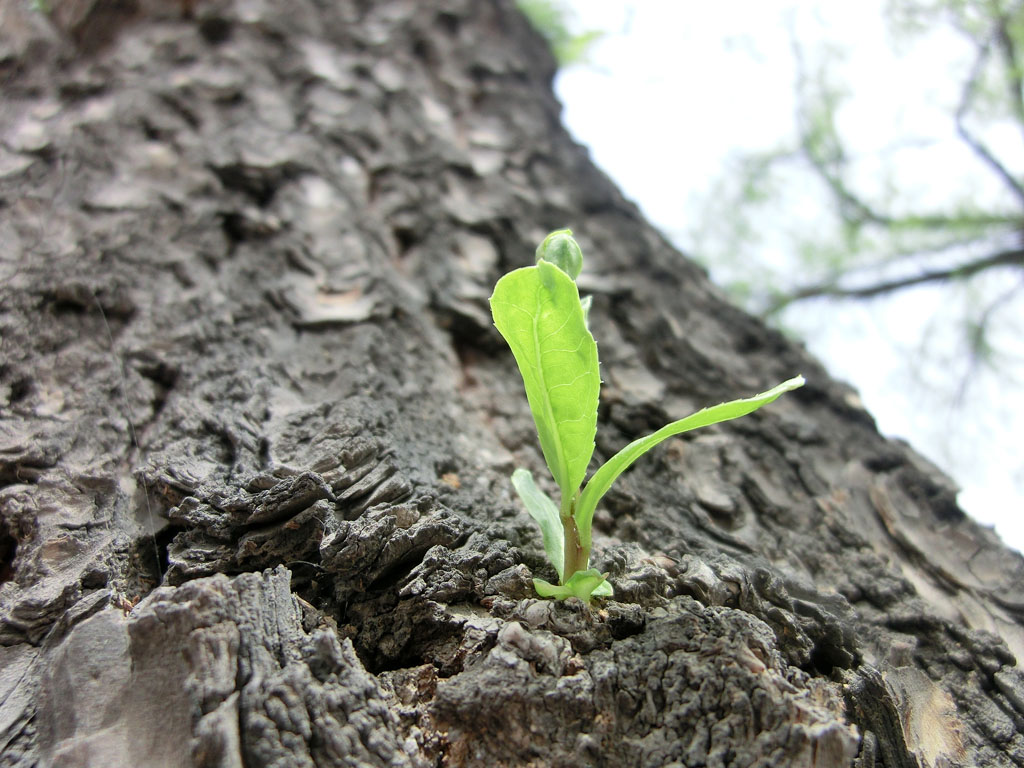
[{"x": 256, "y": 432}]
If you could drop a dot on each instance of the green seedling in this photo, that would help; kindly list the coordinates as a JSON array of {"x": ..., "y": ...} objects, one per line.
[{"x": 539, "y": 313}]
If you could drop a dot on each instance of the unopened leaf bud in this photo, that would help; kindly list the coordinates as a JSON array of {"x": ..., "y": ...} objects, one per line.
[{"x": 562, "y": 250}]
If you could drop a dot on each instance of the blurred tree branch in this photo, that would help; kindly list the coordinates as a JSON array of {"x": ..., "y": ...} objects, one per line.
[
  {"x": 1010, "y": 258},
  {"x": 873, "y": 232},
  {"x": 976, "y": 145}
]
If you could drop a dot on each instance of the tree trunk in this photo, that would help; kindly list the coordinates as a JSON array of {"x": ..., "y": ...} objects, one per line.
[{"x": 256, "y": 432}]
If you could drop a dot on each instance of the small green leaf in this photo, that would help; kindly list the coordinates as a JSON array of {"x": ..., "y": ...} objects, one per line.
[
  {"x": 537, "y": 309},
  {"x": 545, "y": 512},
  {"x": 582, "y": 584},
  {"x": 617, "y": 464}
]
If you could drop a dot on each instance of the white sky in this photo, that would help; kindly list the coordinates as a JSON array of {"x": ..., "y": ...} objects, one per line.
[{"x": 675, "y": 86}]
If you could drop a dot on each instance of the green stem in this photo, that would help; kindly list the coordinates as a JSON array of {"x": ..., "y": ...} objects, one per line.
[{"x": 575, "y": 555}]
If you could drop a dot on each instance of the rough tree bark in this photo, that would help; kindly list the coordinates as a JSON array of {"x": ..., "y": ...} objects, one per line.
[{"x": 257, "y": 431}]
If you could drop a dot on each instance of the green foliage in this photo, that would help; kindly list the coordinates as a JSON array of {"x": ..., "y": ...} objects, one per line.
[
  {"x": 551, "y": 19},
  {"x": 539, "y": 312}
]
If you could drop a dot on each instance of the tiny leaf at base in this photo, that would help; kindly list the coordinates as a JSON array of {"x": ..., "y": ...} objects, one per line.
[{"x": 582, "y": 584}]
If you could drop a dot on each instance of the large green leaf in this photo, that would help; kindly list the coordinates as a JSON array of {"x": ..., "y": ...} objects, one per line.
[
  {"x": 617, "y": 464},
  {"x": 545, "y": 512},
  {"x": 537, "y": 309}
]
